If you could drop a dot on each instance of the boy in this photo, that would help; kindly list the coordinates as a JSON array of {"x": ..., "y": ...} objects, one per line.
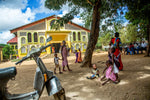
[
  {"x": 95, "y": 72},
  {"x": 57, "y": 63}
]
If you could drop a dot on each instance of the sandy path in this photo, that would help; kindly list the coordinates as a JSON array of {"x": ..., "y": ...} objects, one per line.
[{"x": 134, "y": 85}]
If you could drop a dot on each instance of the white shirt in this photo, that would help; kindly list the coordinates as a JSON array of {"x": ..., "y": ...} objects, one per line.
[
  {"x": 56, "y": 60},
  {"x": 143, "y": 45}
]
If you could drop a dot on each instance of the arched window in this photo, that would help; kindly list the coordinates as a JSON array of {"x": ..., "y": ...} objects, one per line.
[
  {"x": 33, "y": 47},
  {"x": 23, "y": 40},
  {"x": 83, "y": 38},
  {"x": 52, "y": 22},
  {"x": 79, "y": 36},
  {"x": 74, "y": 36},
  {"x": 84, "y": 46},
  {"x": 29, "y": 37},
  {"x": 23, "y": 49},
  {"x": 77, "y": 46},
  {"x": 41, "y": 39},
  {"x": 35, "y": 37}
]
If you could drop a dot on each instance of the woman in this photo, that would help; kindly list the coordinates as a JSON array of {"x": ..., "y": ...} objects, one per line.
[
  {"x": 116, "y": 41},
  {"x": 64, "y": 54},
  {"x": 79, "y": 56}
]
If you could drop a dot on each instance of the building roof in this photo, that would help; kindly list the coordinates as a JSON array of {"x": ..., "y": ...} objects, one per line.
[
  {"x": 13, "y": 40},
  {"x": 42, "y": 20}
]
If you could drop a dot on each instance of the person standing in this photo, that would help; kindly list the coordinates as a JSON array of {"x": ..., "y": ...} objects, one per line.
[
  {"x": 76, "y": 53},
  {"x": 79, "y": 56},
  {"x": 56, "y": 61},
  {"x": 116, "y": 41},
  {"x": 64, "y": 54}
]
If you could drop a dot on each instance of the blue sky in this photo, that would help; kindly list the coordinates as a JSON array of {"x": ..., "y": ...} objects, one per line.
[{"x": 15, "y": 13}]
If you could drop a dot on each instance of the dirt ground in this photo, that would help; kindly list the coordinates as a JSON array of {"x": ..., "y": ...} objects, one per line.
[{"x": 134, "y": 84}]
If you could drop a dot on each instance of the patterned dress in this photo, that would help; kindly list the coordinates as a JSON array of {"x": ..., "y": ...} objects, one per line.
[
  {"x": 117, "y": 51},
  {"x": 64, "y": 55}
]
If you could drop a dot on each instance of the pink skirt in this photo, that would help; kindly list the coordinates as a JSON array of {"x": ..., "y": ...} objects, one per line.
[{"x": 110, "y": 75}]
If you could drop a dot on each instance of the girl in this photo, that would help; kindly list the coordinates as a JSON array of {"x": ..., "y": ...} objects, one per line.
[
  {"x": 109, "y": 75},
  {"x": 115, "y": 62},
  {"x": 79, "y": 56},
  {"x": 76, "y": 53}
]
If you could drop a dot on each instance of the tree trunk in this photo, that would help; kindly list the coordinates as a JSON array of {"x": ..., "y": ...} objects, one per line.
[
  {"x": 148, "y": 38},
  {"x": 93, "y": 35}
]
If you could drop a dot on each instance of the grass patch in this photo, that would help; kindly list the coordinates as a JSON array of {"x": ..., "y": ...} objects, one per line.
[{"x": 15, "y": 60}]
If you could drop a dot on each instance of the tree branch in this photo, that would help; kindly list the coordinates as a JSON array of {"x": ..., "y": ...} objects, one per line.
[{"x": 90, "y": 2}]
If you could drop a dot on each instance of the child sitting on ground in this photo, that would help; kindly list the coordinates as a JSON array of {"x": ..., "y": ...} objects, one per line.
[
  {"x": 56, "y": 61},
  {"x": 95, "y": 72},
  {"x": 109, "y": 75}
]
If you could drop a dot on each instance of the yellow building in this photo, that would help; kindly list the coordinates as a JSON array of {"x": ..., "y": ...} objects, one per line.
[
  {"x": 1, "y": 54},
  {"x": 34, "y": 35}
]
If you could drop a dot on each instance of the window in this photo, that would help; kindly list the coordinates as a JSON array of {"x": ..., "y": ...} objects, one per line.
[
  {"x": 83, "y": 38},
  {"x": 23, "y": 40},
  {"x": 74, "y": 36},
  {"x": 23, "y": 49},
  {"x": 84, "y": 46},
  {"x": 16, "y": 47},
  {"x": 41, "y": 39},
  {"x": 33, "y": 47},
  {"x": 77, "y": 46},
  {"x": 29, "y": 37},
  {"x": 52, "y": 23},
  {"x": 12, "y": 47},
  {"x": 35, "y": 37},
  {"x": 79, "y": 36}
]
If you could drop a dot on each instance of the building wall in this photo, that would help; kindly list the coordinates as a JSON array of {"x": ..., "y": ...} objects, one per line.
[
  {"x": 15, "y": 49},
  {"x": 28, "y": 45},
  {"x": 1, "y": 54},
  {"x": 41, "y": 29}
]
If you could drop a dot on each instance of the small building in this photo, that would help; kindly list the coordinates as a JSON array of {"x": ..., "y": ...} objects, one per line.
[
  {"x": 34, "y": 35},
  {"x": 14, "y": 45},
  {"x": 1, "y": 54}
]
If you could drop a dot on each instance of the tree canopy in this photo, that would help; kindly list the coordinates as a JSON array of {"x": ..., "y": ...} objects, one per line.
[
  {"x": 139, "y": 14},
  {"x": 7, "y": 51},
  {"x": 99, "y": 9}
]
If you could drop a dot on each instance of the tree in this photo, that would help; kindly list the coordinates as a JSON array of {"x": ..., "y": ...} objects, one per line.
[
  {"x": 7, "y": 51},
  {"x": 129, "y": 33},
  {"x": 100, "y": 9},
  {"x": 139, "y": 14}
]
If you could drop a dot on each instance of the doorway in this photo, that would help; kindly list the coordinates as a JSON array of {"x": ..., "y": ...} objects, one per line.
[{"x": 56, "y": 46}]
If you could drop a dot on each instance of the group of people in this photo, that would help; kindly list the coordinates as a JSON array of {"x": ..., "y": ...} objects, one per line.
[
  {"x": 64, "y": 54},
  {"x": 113, "y": 64},
  {"x": 134, "y": 48},
  {"x": 78, "y": 56}
]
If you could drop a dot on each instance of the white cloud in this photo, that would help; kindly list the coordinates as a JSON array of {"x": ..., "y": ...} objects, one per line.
[
  {"x": 78, "y": 21},
  {"x": 12, "y": 18},
  {"x": 5, "y": 36}
]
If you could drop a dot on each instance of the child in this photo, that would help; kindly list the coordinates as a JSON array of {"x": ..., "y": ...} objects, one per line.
[
  {"x": 109, "y": 73},
  {"x": 115, "y": 61},
  {"x": 76, "y": 56},
  {"x": 95, "y": 72},
  {"x": 79, "y": 56},
  {"x": 57, "y": 63}
]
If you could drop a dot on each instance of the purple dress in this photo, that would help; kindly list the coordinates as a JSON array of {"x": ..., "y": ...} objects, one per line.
[
  {"x": 64, "y": 54},
  {"x": 76, "y": 57}
]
